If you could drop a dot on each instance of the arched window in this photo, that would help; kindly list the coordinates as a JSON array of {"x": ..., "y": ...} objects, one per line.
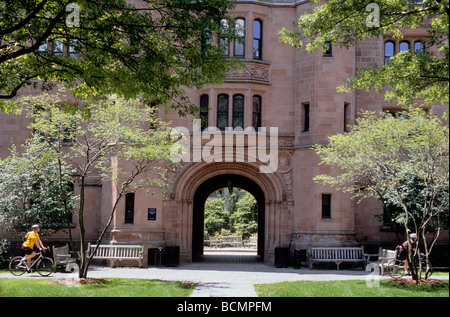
[
  {"x": 43, "y": 48},
  {"x": 204, "y": 110},
  {"x": 238, "y": 111},
  {"x": 419, "y": 47},
  {"x": 389, "y": 51},
  {"x": 404, "y": 46},
  {"x": 222, "y": 112},
  {"x": 257, "y": 39},
  {"x": 257, "y": 110},
  {"x": 58, "y": 48},
  {"x": 224, "y": 42},
  {"x": 72, "y": 48},
  {"x": 239, "y": 42},
  {"x": 206, "y": 40}
]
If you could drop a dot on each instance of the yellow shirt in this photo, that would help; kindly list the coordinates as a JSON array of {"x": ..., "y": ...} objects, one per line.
[{"x": 29, "y": 243}]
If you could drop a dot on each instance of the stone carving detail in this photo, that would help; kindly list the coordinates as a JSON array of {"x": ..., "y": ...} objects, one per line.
[
  {"x": 327, "y": 237},
  {"x": 285, "y": 164},
  {"x": 253, "y": 72},
  {"x": 286, "y": 141}
]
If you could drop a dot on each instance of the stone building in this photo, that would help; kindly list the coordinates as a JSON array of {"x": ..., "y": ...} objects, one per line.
[{"x": 282, "y": 88}]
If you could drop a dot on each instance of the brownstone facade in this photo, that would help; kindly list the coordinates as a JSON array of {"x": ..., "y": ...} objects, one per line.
[{"x": 296, "y": 92}]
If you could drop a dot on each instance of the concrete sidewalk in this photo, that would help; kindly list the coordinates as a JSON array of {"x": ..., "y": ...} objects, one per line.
[
  {"x": 230, "y": 275},
  {"x": 231, "y": 280}
]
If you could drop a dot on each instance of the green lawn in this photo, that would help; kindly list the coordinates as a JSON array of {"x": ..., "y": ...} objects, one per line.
[
  {"x": 116, "y": 287},
  {"x": 112, "y": 288},
  {"x": 350, "y": 289}
]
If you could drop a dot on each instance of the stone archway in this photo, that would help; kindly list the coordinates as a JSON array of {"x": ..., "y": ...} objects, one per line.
[
  {"x": 210, "y": 186},
  {"x": 187, "y": 190}
]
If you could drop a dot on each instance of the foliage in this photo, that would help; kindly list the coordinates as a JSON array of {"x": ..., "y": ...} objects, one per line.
[
  {"x": 246, "y": 216},
  {"x": 231, "y": 213},
  {"x": 415, "y": 198},
  {"x": 395, "y": 159},
  {"x": 34, "y": 188},
  {"x": 216, "y": 217},
  {"x": 407, "y": 77},
  {"x": 153, "y": 50},
  {"x": 4, "y": 247},
  {"x": 95, "y": 139}
]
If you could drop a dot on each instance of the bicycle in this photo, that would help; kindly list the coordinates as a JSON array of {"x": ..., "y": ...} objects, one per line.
[
  {"x": 44, "y": 265},
  {"x": 396, "y": 268}
]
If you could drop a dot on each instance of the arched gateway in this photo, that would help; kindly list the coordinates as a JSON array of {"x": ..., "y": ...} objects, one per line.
[
  {"x": 210, "y": 186},
  {"x": 198, "y": 180}
]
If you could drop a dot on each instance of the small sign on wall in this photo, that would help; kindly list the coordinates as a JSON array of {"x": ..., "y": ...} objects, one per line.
[{"x": 151, "y": 213}]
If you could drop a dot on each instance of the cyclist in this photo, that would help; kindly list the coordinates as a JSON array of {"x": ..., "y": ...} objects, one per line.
[
  {"x": 403, "y": 248},
  {"x": 31, "y": 243}
]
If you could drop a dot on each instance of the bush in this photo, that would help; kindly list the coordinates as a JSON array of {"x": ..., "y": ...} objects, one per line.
[{"x": 4, "y": 247}]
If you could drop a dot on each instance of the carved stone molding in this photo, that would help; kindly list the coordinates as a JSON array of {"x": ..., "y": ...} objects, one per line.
[
  {"x": 285, "y": 161},
  {"x": 267, "y": 182},
  {"x": 286, "y": 141},
  {"x": 324, "y": 237},
  {"x": 253, "y": 72}
]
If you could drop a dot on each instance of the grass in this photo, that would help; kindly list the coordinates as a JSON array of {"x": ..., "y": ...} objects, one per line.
[
  {"x": 41, "y": 287},
  {"x": 114, "y": 287},
  {"x": 357, "y": 288}
]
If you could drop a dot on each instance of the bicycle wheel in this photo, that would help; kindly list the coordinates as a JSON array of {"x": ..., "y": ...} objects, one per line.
[
  {"x": 395, "y": 269},
  {"x": 16, "y": 267},
  {"x": 45, "y": 267}
]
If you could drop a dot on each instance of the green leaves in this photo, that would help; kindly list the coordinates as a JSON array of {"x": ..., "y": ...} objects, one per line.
[
  {"x": 237, "y": 211},
  {"x": 407, "y": 78},
  {"x": 394, "y": 158},
  {"x": 35, "y": 188},
  {"x": 216, "y": 216},
  {"x": 92, "y": 135},
  {"x": 388, "y": 145},
  {"x": 151, "y": 50}
]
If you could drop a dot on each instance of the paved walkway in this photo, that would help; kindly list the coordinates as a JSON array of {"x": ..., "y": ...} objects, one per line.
[{"x": 222, "y": 275}]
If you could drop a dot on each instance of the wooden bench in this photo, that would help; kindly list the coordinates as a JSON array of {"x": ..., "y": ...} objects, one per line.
[
  {"x": 252, "y": 241},
  {"x": 213, "y": 242},
  {"x": 336, "y": 255},
  {"x": 118, "y": 252},
  {"x": 231, "y": 240},
  {"x": 384, "y": 257},
  {"x": 63, "y": 259}
]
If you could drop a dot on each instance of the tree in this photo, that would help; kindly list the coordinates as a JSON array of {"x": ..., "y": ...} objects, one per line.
[
  {"x": 94, "y": 141},
  {"x": 35, "y": 188},
  {"x": 216, "y": 216},
  {"x": 415, "y": 198},
  {"x": 245, "y": 218},
  {"x": 395, "y": 158},
  {"x": 236, "y": 212},
  {"x": 407, "y": 77},
  {"x": 219, "y": 207},
  {"x": 153, "y": 50}
]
